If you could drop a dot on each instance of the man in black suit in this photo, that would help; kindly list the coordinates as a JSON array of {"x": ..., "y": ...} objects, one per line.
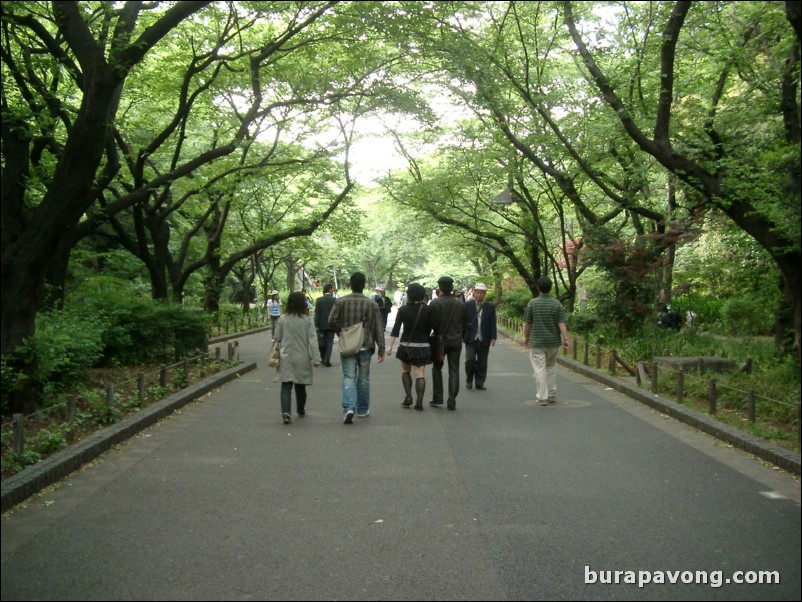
[
  {"x": 325, "y": 335},
  {"x": 481, "y": 336}
]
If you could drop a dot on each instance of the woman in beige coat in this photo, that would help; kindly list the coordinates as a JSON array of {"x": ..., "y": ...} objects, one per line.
[{"x": 295, "y": 333}]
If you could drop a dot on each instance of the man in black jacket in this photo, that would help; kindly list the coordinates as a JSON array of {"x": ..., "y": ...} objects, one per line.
[
  {"x": 325, "y": 335},
  {"x": 481, "y": 317},
  {"x": 450, "y": 322}
]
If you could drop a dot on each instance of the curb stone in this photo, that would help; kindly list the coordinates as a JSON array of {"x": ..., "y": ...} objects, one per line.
[{"x": 33, "y": 479}]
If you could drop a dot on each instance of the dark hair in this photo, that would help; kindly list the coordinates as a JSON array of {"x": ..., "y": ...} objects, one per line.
[
  {"x": 446, "y": 284},
  {"x": 415, "y": 292},
  {"x": 358, "y": 280},
  {"x": 328, "y": 287},
  {"x": 296, "y": 304},
  {"x": 544, "y": 285}
]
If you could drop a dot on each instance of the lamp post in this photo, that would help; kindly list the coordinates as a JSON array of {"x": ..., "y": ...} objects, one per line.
[{"x": 506, "y": 197}]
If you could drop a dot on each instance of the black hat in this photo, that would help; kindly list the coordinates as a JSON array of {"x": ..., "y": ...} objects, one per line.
[
  {"x": 415, "y": 292},
  {"x": 446, "y": 282}
]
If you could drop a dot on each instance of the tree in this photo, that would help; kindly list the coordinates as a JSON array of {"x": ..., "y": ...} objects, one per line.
[
  {"x": 64, "y": 70},
  {"x": 710, "y": 142}
]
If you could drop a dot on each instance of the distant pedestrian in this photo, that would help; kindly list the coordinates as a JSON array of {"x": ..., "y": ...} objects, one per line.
[
  {"x": 414, "y": 350},
  {"x": 544, "y": 324},
  {"x": 347, "y": 311},
  {"x": 295, "y": 333},
  {"x": 451, "y": 323},
  {"x": 274, "y": 311},
  {"x": 385, "y": 305},
  {"x": 481, "y": 336},
  {"x": 669, "y": 319},
  {"x": 325, "y": 334}
]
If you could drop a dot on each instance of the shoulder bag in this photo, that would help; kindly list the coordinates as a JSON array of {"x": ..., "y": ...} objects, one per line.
[{"x": 350, "y": 339}]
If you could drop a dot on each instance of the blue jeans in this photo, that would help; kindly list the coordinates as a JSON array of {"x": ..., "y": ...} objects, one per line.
[{"x": 356, "y": 382}]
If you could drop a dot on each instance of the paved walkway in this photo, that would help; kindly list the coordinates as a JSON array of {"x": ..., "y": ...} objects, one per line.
[{"x": 500, "y": 500}]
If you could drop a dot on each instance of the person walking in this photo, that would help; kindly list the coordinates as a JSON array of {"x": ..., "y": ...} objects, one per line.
[
  {"x": 347, "y": 311},
  {"x": 295, "y": 334},
  {"x": 481, "y": 316},
  {"x": 414, "y": 349},
  {"x": 274, "y": 311},
  {"x": 325, "y": 335},
  {"x": 544, "y": 325},
  {"x": 384, "y": 303},
  {"x": 450, "y": 323}
]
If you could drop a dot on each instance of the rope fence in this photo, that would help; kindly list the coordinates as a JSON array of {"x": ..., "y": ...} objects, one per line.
[
  {"x": 61, "y": 421},
  {"x": 684, "y": 387}
]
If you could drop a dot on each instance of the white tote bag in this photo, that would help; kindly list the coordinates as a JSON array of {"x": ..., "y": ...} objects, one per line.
[{"x": 350, "y": 339}]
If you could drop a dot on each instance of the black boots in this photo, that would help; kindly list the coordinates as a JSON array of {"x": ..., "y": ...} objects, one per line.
[
  {"x": 406, "y": 378},
  {"x": 420, "y": 389}
]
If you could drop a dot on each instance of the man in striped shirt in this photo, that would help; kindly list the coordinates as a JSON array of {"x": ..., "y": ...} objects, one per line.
[
  {"x": 349, "y": 310},
  {"x": 544, "y": 324}
]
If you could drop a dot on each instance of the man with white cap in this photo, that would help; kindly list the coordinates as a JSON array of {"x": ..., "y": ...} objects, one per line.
[{"x": 481, "y": 336}]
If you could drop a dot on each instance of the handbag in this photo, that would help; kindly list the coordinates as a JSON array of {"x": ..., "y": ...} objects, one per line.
[
  {"x": 438, "y": 346},
  {"x": 274, "y": 356},
  {"x": 350, "y": 339}
]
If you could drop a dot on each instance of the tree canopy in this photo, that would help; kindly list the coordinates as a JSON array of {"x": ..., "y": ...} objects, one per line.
[{"x": 211, "y": 139}]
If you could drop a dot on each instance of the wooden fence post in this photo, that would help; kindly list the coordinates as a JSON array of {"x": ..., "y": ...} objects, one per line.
[
  {"x": 586, "y": 354},
  {"x": 110, "y": 395},
  {"x": 711, "y": 396},
  {"x": 19, "y": 434},
  {"x": 612, "y": 361},
  {"x": 598, "y": 357},
  {"x": 70, "y": 408},
  {"x": 654, "y": 377},
  {"x": 576, "y": 348},
  {"x": 140, "y": 385},
  {"x": 70, "y": 418},
  {"x": 186, "y": 372},
  {"x": 163, "y": 376},
  {"x": 750, "y": 405}
]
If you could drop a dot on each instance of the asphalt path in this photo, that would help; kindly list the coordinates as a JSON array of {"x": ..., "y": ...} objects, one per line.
[{"x": 501, "y": 499}]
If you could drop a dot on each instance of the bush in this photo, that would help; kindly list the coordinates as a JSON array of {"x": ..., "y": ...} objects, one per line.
[
  {"x": 746, "y": 316},
  {"x": 104, "y": 332},
  {"x": 583, "y": 323},
  {"x": 67, "y": 344},
  {"x": 515, "y": 302},
  {"x": 146, "y": 331}
]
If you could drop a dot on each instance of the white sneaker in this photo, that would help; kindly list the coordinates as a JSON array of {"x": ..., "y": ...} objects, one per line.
[
  {"x": 364, "y": 414},
  {"x": 349, "y": 417}
]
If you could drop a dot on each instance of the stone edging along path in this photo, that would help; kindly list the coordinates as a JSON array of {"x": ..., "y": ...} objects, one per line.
[
  {"x": 33, "y": 479},
  {"x": 779, "y": 456}
]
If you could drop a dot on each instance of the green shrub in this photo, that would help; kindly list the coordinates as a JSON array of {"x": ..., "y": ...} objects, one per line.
[
  {"x": 67, "y": 344},
  {"x": 583, "y": 323},
  {"x": 144, "y": 331},
  {"x": 515, "y": 301},
  {"x": 746, "y": 316}
]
